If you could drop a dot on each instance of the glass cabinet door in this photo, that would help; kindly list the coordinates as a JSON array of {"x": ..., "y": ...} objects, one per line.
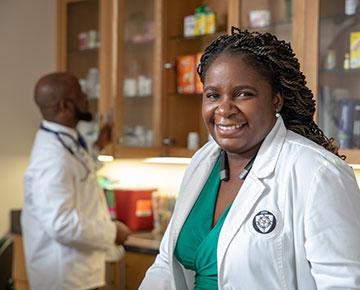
[
  {"x": 274, "y": 16},
  {"x": 339, "y": 72},
  {"x": 79, "y": 53},
  {"x": 83, "y": 46},
  {"x": 190, "y": 26},
  {"x": 139, "y": 99}
]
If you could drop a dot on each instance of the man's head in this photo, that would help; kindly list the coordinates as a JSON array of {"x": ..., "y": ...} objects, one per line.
[{"x": 60, "y": 99}]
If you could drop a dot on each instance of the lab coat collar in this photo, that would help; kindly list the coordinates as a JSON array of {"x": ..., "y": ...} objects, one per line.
[
  {"x": 269, "y": 151},
  {"x": 60, "y": 128},
  {"x": 267, "y": 155}
]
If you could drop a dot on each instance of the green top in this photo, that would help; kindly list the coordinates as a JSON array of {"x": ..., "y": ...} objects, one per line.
[{"x": 196, "y": 247}]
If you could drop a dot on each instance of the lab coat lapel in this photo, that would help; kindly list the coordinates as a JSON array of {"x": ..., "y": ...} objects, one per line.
[
  {"x": 252, "y": 188},
  {"x": 198, "y": 175},
  {"x": 246, "y": 199},
  {"x": 189, "y": 196}
]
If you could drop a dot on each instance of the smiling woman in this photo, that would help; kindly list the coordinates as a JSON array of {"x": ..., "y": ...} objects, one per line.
[
  {"x": 269, "y": 193},
  {"x": 238, "y": 105}
]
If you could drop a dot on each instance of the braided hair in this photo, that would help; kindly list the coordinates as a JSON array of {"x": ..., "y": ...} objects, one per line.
[{"x": 276, "y": 61}]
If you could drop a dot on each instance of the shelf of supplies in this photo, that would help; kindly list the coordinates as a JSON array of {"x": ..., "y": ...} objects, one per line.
[
  {"x": 120, "y": 151},
  {"x": 269, "y": 27},
  {"x": 340, "y": 71},
  {"x": 89, "y": 51},
  {"x": 138, "y": 98},
  {"x": 144, "y": 44},
  {"x": 198, "y": 37},
  {"x": 338, "y": 18}
]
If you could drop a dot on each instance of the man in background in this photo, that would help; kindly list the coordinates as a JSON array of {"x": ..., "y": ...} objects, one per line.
[{"x": 65, "y": 221}]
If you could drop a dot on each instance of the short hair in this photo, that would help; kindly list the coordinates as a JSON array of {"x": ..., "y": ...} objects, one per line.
[{"x": 276, "y": 62}]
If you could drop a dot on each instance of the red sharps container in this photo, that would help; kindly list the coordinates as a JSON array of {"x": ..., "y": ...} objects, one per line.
[{"x": 134, "y": 208}]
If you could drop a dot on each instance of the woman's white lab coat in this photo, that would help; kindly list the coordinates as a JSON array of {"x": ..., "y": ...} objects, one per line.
[{"x": 315, "y": 201}]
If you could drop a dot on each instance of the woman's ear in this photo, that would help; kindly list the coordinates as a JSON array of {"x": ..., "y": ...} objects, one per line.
[{"x": 278, "y": 102}]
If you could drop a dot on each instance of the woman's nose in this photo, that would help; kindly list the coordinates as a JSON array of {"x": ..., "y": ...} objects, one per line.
[{"x": 226, "y": 107}]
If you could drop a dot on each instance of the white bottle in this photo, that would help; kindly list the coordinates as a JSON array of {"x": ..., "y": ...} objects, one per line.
[
  {"x": 193, "y": 141},
  {"x": 92, "y": 80},
  {"x": 350, "y": 7}
]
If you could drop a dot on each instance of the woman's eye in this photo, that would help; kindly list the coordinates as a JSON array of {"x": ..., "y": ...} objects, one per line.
[
  {"x": 244, "y": 94},
  {"x": 212, "y": 96}
]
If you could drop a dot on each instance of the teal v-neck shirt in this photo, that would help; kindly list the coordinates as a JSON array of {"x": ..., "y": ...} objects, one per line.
[{"x": 196, "y": 247}]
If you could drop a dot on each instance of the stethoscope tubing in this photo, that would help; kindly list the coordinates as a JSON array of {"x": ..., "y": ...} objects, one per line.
[{"x": 70, "y": 150}]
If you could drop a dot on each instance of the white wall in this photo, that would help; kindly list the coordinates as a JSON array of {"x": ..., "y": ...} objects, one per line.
[
  {"x": 27, "y": 51},
  {"x": 131, "y": 173}
]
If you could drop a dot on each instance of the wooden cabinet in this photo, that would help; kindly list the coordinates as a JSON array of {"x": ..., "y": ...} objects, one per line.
[
  {"x": 85, "y": 36},
  {"x": 183, "y": 111},
  {"x": 19, "y": 274},
  {"x": 115, "y": 278},
  {"x": 141, "y": 42},
  {"x": 331, "y": 32},
  {"x": 137, "y": 264},
  {"x": 139, "y": 107}
]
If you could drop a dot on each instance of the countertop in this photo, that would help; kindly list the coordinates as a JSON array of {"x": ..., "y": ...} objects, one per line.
[{"x": 143, "y": 242}]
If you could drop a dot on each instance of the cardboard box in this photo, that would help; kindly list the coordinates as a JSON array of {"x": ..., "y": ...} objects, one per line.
[
  {"x": 355, "y": 50},
  {"x": 198, "y": 83},
  {"x": 185, "y": 68}
]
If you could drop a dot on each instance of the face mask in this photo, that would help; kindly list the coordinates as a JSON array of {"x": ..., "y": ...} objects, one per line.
[{"x": 82, "y": 115}]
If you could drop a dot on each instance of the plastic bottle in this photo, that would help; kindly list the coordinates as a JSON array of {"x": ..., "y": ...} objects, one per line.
[
  {"x": 110, "y": 198},
  {"x": 92, "y": 81},
  {"x": 200, "y": 20},
  {"x": 346, "y": 61}
]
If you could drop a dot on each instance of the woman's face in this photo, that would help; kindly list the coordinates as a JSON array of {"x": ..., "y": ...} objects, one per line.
[{"x": 238, "y": 105}]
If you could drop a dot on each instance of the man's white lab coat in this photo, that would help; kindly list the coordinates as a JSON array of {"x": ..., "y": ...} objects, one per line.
[{"x": 65, "y": 223}]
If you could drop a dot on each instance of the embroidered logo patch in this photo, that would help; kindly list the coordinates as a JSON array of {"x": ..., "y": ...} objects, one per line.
[{"x": 264, "y": 222}]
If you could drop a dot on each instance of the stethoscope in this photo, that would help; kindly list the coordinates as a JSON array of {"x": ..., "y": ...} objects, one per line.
[{"x": 69, "y": 149}]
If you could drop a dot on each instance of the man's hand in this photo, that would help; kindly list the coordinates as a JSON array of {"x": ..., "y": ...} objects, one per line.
[
  {"x": 104, "y": 137},
  {"x": 122, "y": 232}
]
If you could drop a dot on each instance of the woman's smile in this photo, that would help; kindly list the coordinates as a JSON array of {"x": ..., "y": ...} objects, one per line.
[{"x": 228, "y": 130}]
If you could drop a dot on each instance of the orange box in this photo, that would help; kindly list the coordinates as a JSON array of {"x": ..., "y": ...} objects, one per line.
[
  {"x": 185, "y": 66},
  {"x": 198, "y": 83},
  {"x": 134, "y": 208}
]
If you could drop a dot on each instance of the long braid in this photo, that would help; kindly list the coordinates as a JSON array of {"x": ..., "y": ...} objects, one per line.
[{"x": 276, "y": 61}]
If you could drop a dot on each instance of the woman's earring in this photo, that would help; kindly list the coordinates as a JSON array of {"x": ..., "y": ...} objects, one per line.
[{"x": 277, "y": 114}]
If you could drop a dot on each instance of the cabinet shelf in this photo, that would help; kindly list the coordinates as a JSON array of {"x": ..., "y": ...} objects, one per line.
[
  {"x": 89, "y": 51},
  {"x": 341, "y": 71},
  {"x": 180, "y": 38},
  {"x": 271, "y": 26},
  {"x": 120, "y": 151},
  {"x": 140, "y": 44},
  {"x": 138, "y": 98},
  {"x": 180, "y": 152},
  {"x": 338, "y": 18}
]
